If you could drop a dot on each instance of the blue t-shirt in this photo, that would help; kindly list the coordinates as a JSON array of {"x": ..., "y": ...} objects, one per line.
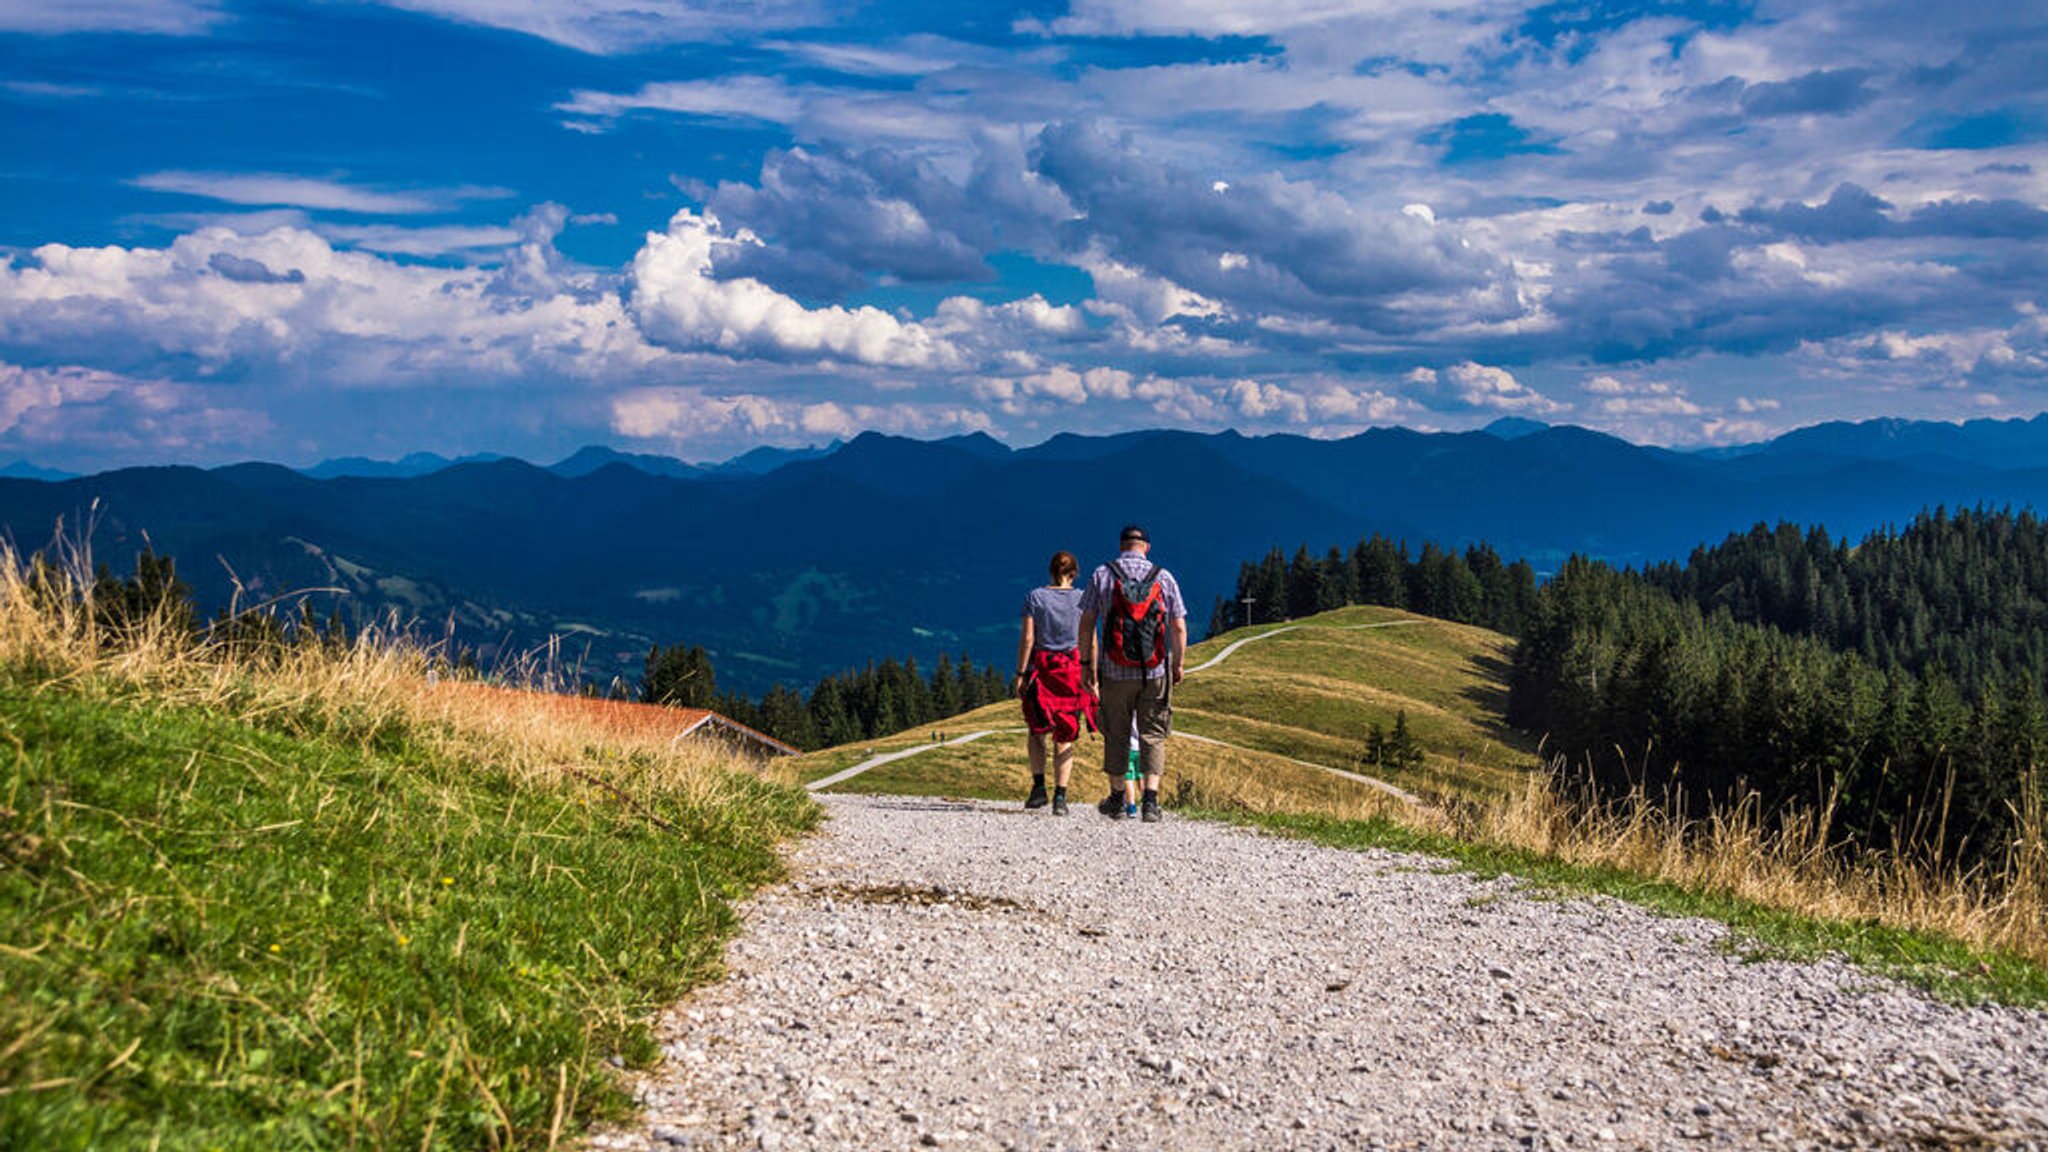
[{"x": 1055, "y": 618}]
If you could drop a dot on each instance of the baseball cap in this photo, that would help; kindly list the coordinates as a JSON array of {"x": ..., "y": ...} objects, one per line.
[{"x": 1133, "y": 532}]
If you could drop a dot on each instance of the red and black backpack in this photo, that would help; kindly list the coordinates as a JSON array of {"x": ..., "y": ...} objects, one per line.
[{"x": 1134, "y": 635}]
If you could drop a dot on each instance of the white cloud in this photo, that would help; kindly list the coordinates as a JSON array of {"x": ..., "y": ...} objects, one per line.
[
  {"x": 690, "y": 417},
  {"x": 1484, "y": 386},
  {"x": 968, "y": 317},
  {"x": 604, "y": 26},
  {"x": 1640, "y": 398},
  {"x": 729, "y": 98},
  {"x": 1209, "y": 17},
  {"x": 91, "y": 415},
  {"x": 286, "y": 304},
  {"x": 1257, "y": 401},
  {"x": 680, "y": 304},
  {"x": 1724, "y": 431},
  {"x": 1352, "y": 406},
  {"x": 1144, "y": 298},
  {"x": 272, "y": 189},
  {"x": 444, "y": 240},
  {"x": 161, "y": 17}
]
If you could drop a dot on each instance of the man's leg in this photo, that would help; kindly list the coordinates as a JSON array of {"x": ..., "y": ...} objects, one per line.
[
  {"x": 1153, "y": 720},
  {"x": 1119, "y": 700}
]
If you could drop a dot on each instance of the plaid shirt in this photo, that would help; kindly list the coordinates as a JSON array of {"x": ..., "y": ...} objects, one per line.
[{"x": 1096, "y": 598}]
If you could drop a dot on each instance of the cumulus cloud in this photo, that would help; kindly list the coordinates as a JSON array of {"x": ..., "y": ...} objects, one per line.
[
  {"x": 288, "y": 304},
  {"x": 681, "y": 418},
  {"x": 834, "y": 222},
  {"x": 1257, "y": 401},
  {"x": 1268, "y": 245},
  {"x": 1640, "y": 398},
  {"x": 95, "y": 418},
  {"x": 1477, "y": 385},
  {"x": 1353, "y": 406},
  {"x": 1129, "y": 292},
  {"x": 681, "y": 304}
]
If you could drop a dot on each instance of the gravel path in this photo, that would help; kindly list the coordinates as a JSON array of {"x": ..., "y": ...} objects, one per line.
[{"x": 967, "y": 975}]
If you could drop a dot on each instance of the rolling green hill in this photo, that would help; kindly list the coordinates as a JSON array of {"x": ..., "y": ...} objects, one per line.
[{"x": 1297, "y": 696}]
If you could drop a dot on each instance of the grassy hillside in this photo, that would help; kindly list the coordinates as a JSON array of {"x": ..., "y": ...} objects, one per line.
[
  {"x": 288, "y": 898},
  {"x": 1311, "y": 694}
]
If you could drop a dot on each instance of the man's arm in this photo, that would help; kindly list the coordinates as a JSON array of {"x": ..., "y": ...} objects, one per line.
[
  {"x": 1086, "y": 647},
  {"x": 1180, "y": 646}
]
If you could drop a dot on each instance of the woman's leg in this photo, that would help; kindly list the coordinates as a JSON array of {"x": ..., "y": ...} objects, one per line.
[
  {"x": 1062, "y": 762},
  {"x": 1035, "y": 745}
]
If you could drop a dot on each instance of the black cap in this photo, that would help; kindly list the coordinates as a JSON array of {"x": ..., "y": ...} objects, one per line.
[{"x": 1133, "y": 532}]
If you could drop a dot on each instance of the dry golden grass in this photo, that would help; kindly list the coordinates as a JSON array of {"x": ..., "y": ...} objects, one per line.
[
  {"x": 381, "y": 678},
  {"x": 1783, "y": 863}
]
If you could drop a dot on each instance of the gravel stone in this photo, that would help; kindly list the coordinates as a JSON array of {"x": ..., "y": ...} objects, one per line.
[{"x": 968, "y": 975}]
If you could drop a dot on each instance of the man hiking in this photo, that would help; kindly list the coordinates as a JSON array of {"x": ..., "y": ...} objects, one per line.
[{"x": 1144, "y": 639}]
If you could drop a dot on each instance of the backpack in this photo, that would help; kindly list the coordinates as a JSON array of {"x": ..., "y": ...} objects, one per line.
[{"x": 1134, "y": 635}]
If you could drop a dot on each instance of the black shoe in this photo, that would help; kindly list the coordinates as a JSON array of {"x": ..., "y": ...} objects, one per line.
[
  {"x": 1149, "y": 813},
  {"x": 1059, "y": 803},
  {"x": 1112, "y": 806},
  {"x": 1037, "y": 797}
]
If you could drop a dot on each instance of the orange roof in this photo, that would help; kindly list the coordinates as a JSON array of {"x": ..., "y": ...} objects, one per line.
[{"x": 625, "y": 717}]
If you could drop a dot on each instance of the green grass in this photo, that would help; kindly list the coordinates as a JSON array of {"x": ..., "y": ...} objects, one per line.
[
  {"x": 1943, "y": 966},
  {"x": 1316, "y": 692},
  {"x": 214, "y": 936}
]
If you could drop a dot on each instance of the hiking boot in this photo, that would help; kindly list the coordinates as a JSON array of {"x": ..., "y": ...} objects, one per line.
[
  {"x": 1112, "y": 806},
  {"x": 1037, "y": 797},
  {"x": 1059, "y": 804},
  {"x": 1151, "y": 814}
]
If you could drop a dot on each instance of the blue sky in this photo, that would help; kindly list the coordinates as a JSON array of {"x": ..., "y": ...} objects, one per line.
[{"x": 238, "y": 230}]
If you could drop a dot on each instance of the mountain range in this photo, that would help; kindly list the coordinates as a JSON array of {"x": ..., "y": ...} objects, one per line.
[{"x": 791, "y": 564}]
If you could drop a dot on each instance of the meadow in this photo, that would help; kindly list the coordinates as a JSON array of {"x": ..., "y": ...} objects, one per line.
[{"x": 281, "y": 894}]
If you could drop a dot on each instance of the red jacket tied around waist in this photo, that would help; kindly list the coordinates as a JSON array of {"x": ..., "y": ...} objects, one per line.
[{"x": 1056, "y": 697}]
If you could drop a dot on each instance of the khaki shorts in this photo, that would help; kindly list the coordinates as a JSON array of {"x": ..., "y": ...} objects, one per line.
[{"x": 1144, "y": 704}]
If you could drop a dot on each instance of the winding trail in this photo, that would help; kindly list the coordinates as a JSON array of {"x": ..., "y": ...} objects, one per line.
[
  {"x": 845, "y": 774},
  {"x": 1234, "y": 645}
]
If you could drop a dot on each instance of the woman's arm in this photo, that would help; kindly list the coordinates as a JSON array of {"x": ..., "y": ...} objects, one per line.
[{"x": 1023, "y": 657}]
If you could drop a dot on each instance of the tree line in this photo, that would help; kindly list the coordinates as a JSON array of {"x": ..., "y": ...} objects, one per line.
[
  {"x": 1859, "y": 680},
  {"x": 1967, "y": 591},
  {"x": 1476, "y": 587},
  {"x": 856, "y": 704}
]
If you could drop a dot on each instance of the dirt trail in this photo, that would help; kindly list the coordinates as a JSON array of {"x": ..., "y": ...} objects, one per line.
[{"x": 967, "y": 975}]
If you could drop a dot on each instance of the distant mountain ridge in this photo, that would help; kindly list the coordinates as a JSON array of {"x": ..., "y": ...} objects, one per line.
[
  {"x": 23, "y": 470},
  {"x": 794, "y": 564},
  {"x": 582, "y": 462}
]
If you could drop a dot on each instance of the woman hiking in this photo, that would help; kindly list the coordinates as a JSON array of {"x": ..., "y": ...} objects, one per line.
[{"x": 1050, "y": 684}]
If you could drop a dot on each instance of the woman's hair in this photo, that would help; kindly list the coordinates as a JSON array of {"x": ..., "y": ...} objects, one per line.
[{"x": 1063, "y": 566}]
